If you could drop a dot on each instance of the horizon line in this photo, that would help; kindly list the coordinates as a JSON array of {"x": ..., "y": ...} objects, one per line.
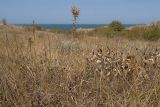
[{"x": 77, "y": 24}]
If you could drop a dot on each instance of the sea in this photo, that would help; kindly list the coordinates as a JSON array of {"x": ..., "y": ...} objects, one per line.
[{"x": 69, "y": 26}]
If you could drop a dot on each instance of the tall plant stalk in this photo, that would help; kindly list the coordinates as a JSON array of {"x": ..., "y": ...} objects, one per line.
[{"x": 75, "y": 12}]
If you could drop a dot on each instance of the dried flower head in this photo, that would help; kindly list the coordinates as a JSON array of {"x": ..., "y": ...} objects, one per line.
[{"x": 75, "y": 11}]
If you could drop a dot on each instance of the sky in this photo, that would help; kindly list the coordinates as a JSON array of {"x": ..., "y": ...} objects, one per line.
[{"x": 92, "y": 11}]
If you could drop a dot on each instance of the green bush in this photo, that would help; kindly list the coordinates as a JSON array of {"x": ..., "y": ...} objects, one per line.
[
  {"x": 116, "y": 26},
  {"x": 153, "y": 33},
  {"x": 4, "y": 21}
]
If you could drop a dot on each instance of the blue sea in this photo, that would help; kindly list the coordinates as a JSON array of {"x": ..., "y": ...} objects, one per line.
[{"x": 69, "y": 26}]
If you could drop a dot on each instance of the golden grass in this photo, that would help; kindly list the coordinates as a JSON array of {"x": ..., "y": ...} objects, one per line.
[{"x": 57, "y": 70}]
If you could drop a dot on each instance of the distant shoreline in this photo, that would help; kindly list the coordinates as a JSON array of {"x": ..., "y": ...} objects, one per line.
[{"x": 69, "y": 26}]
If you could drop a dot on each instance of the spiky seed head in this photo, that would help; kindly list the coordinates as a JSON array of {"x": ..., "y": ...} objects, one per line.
[{"x": 75, "y": 11}]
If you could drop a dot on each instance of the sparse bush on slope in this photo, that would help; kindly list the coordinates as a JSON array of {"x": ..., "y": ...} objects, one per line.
[
  {"x": 116, "y": 26},
  {"x": 4, "y": 21}
]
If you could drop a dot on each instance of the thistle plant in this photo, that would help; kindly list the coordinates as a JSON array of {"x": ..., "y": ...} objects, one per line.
[{"x": 75, "y": 12}]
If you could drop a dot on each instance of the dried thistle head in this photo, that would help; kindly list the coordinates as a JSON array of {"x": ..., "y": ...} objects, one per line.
[{"x": 75, "y": 11}]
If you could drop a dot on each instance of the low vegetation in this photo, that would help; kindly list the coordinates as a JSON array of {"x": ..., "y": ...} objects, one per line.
[
  {"x": 142, "y": 32},
  {"x": 116, "y": 26},
  {"x": 4, "y": 21},
  {"x": 49, "y": 69}
]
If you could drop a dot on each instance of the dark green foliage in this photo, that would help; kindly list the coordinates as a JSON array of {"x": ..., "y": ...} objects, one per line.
[
  {"x": 4, "y": 21},
  {"x": 116, "y": 26}
]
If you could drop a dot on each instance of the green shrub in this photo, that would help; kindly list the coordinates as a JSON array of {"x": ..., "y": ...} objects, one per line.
[
  {"x": 4, "y": 21},
  {"x": 153, "y": 33},
  {"x": 116, "y": 26}
]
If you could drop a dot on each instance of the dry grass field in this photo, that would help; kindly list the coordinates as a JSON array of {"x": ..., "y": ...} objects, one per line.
[{"x": 46, "y": 69}]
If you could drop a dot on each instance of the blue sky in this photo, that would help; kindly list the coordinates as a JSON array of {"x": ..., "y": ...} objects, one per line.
[{"x": 92, "y": 11}]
